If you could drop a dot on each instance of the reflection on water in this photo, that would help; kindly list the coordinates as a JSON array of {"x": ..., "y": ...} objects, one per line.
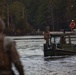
[{"x": 31, "y": 52}]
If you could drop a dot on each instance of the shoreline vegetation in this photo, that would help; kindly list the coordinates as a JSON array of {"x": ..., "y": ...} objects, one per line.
[
  {"x": 35, "y": 33},
  {"x": 29, "y": 15},
  {"x": 8, "y": 33}
]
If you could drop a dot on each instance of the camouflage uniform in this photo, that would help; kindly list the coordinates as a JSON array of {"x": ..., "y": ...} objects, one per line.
[
  {"x": 47, "y": 35},
  {"x": 9, "y": 56}
]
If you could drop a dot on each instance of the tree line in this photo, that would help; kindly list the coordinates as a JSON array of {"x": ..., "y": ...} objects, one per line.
[{"x": 31, "y": 15}]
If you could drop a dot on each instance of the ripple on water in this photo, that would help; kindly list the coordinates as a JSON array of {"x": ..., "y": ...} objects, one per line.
[{"x": 31, "y": 52}]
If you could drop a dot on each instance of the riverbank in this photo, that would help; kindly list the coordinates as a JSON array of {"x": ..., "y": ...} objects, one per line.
[{"x": 40, "y": 33}]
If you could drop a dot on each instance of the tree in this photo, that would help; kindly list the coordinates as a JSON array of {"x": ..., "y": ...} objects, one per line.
[
  {"x": 41, "y": 15},
  {"x": 58, "y": 11},
  {"x": 71, "y": 6}
]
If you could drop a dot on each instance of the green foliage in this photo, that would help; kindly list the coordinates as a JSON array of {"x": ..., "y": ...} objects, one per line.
[
  {"x": 38, "y": 13},
  {"x": 41, "y": 15},
  {"x": 71, "y": 11},
  {"x": 16, "y": 10}
]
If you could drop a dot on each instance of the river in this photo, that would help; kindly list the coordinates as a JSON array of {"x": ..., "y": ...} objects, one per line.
[{"x": 32, "y": 57}]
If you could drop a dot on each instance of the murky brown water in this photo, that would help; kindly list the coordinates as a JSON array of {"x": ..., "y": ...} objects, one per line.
[{"x": 31, "y": 52}]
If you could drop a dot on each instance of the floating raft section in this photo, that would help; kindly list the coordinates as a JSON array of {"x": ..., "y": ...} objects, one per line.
[{"x": 67, "y": 49}]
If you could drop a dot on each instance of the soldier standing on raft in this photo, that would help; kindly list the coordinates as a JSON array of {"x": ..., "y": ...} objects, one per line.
[
  {"x": 8, "y": 54},
  {"x": 47, "y": 35}
]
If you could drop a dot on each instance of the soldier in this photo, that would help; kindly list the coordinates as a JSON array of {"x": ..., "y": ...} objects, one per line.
[
  {"x": 72, "y": 25},
  {"x": 62, "y": 40},
  {"x": 8, "y": 54},
  {"x": 47, "y": 35}
]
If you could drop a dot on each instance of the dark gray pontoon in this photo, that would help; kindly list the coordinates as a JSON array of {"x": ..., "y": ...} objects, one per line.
[{"x": 56, "y": 48}]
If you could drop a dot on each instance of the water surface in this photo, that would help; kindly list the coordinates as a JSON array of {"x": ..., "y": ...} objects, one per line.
[{"x": 32, "y": 57}]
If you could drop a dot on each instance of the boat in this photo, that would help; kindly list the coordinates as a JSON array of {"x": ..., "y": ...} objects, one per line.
[{"x": 56, "y": 48}]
